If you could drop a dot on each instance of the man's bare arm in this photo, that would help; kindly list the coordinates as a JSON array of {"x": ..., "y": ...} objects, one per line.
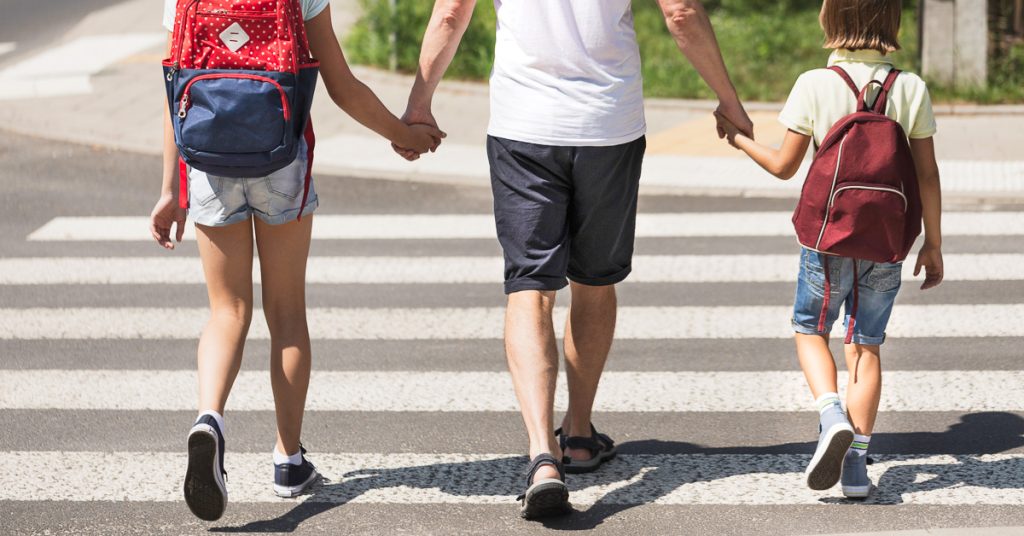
[
  {"x": 690, "y": 26},
  {"x": 447, "y": 25}
]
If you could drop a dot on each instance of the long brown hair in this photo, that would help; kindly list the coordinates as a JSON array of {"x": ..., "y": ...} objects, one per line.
[{"x": 861, "y": 24}]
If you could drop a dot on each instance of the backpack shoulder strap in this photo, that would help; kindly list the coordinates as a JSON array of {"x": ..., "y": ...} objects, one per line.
[
  {"x": 883, "y": 95},
  {"x": 846, "y": 78}
]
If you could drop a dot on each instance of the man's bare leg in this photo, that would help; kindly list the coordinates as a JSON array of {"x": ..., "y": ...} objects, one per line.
[
  {"x": 533, "y": 361},
  {"x": 589, "y": 330}
]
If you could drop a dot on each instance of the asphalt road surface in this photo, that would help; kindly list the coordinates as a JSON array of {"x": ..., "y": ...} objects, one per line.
[{"x": 411, "y": 415}]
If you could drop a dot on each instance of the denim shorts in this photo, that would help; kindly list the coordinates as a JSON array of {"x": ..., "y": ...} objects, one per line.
[
  {"x": 216, "y": 201},
  {"x": 878, "y": 284}
]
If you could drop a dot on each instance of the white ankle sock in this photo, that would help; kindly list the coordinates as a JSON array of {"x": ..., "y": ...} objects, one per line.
[
  {"x": 826, "y": 401},
  {"x": 216, "y": 417},
  {"x": 294, "y": 459},
  {"x": 860, "y": 444}
]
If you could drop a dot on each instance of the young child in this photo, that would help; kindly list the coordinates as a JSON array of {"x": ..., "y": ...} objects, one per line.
[
  {"x": 223, "y": 209},
  {"x": 861, "y": 33}
]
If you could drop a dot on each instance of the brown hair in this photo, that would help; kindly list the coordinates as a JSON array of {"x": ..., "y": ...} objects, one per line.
[{"x": 861, "y": 24}]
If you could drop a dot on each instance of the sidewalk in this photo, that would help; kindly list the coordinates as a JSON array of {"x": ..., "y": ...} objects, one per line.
[{"x": 116, "y": 101}]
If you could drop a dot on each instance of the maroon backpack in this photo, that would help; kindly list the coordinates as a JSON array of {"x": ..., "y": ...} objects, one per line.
[{"x": 860, "y": 198}]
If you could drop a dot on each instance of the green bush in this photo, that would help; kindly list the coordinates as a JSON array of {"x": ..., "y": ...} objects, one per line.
[
  {"x": 766, "y": 44},
  {"x": 367, "y": 43},
  {"x": 765, "y": 50}
]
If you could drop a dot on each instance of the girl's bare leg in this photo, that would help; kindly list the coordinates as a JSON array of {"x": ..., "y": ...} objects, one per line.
[
  {"x": 283, "y": 250},
  {"x": 226, "y": 253}
]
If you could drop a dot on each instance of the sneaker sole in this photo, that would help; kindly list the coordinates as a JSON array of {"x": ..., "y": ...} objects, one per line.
[
  {"x": 827, "y": 464},
  {"x": 205, "y": 493},
  {"x": 856, "y": 492},
  {"x": 545, "y": 499},
  {"x": 290, "y": 492}
]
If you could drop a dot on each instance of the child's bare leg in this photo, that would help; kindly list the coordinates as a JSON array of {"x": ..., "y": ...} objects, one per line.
[
  {"x": 817, "y": 363},
  {"x": 864, "y": 388},
  {"x": 283, "y": 250},
  {"x": 226, "y": 253}
]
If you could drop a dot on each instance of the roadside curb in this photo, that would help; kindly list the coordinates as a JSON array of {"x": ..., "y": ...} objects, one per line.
[
  {"x": 966, "y": 531},
  {"x": 699, "y": 105},
  {"x": 954, "y": 199}
]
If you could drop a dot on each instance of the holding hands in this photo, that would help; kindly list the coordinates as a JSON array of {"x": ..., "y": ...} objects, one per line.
[
  {"x": 419, "y": 122},
  {"x": 418, "y": 139}
]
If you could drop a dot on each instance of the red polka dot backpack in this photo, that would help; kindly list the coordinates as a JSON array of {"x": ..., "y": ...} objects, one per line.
[{"x": 240, "y": 82}]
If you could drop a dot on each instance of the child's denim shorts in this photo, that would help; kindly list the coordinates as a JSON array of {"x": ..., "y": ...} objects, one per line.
[
  {"x": 877, "y": 286},
  {"x": 217, "y": 201}
]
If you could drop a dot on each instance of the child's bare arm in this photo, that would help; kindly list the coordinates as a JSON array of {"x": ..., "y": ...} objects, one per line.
[
  {"x": 782, "y": 162},
  {"x": 354, "y": 97},
  {"x": 930, "y": 256},
  {"x": 167, "y": 216}
]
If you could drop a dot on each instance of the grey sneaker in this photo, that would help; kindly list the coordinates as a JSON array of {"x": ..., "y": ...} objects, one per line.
[
  {"x": 833, "y": 442},
  {"x": 856, "y": 483}
]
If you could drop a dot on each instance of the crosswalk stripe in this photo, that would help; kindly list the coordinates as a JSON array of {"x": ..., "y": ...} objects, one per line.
[
  {"x": 7, "y": 48},
  {"x": 468, "y": 226},
  {"x": 452, "y": 270},
  {"x": 65, "y": 69},
  {"x": 911, "y": 321},
  {"x": 939, "y": 390},
  {"x": 681, "y": 479}
]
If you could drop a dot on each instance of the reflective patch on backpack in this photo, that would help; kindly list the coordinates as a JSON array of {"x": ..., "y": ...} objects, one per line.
[{"x": 234, "y": 37}]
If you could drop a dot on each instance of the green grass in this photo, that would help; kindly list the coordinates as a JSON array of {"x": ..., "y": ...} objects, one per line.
[{"x": 766, "y": 45}]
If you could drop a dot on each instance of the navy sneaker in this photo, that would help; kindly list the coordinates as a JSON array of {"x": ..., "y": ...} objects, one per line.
[
  {"x": 205, "y": 493},
  {"x": 293, "y": 480}
]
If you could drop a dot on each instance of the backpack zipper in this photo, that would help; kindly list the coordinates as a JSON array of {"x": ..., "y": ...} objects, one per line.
[
  {"x": 181, "y": 40},
  {"x": 184, "y": 103},
  {"x": 241, "y": 15},
  {"x": 874, "y": 188}
]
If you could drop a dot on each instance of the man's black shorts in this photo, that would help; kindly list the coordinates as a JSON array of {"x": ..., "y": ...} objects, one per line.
[{"x": 565, "y": 211}]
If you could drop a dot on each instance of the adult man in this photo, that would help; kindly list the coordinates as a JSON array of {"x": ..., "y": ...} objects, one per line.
[{"x": 565, "y": 144}]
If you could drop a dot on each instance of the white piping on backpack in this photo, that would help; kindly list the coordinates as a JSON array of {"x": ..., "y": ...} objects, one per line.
[
  {"x": 875, "y": 188},
  {"x": 831, "y": 193}
]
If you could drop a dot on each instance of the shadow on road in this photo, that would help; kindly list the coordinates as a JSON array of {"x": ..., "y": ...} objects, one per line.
[{"x": 646, "y": 475}]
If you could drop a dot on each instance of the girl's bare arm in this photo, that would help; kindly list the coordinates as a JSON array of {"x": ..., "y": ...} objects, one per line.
[
  {"x": 782, "y": 162},
  {"x": 354, "y": 98},
  {"x": 166, "y": 213}
]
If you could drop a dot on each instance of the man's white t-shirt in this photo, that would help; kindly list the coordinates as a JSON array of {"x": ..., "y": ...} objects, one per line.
[
  {"x": 310, "y": 9},
  {"x": 566, "y": 72}
]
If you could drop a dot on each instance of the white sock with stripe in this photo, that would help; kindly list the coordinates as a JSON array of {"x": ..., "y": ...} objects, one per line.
[
  {"x": 828, "y": 401},
  {"x": 860, "y": 444}
]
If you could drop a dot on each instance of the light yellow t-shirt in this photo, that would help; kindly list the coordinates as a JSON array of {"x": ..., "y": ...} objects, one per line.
[{"x": 820, "y": 97}]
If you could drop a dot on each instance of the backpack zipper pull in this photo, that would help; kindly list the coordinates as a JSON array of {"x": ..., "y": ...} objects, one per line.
[{"x": 183, "y": 109}]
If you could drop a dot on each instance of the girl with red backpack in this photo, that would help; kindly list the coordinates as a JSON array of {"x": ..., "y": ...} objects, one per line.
[
  {"x": 872, "y": 181},
  {"x": 240, "y": 76}
]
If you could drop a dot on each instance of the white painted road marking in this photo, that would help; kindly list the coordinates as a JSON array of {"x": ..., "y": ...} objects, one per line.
[
  {"x": 7, "y": 48},
  {"x": 451, "y": 270},
  {"x": 773, "y": 322},
  {"x": 465, "y": 226},
  {"x": 410, "y": 478},
  {"x": 397, "y": 391},
  {"x": 66, "y": 69}
]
